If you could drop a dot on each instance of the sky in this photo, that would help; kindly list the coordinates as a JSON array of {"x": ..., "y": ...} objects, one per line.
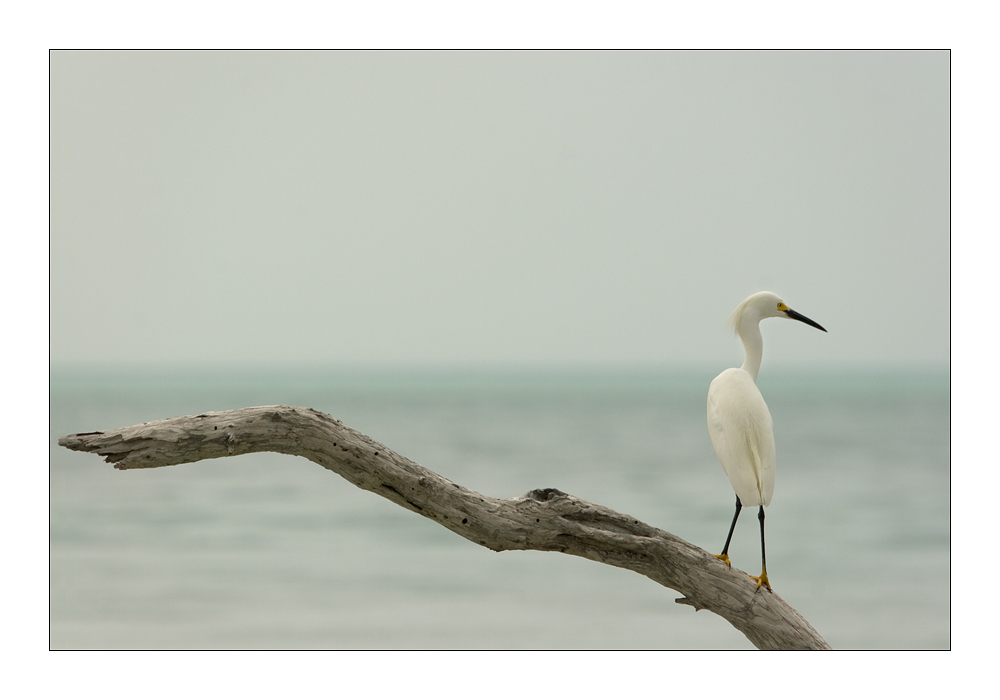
[{"x": 484, "y": 209}]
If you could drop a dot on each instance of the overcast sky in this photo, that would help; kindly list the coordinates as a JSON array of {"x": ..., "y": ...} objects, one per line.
[{"x": 496, "y": 209}]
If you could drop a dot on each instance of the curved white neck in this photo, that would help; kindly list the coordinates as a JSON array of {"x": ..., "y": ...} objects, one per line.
[{"x": 753, "y": 346}]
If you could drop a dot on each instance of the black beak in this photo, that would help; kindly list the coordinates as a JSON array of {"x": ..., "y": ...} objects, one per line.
[{"x": 808, "y": 321}]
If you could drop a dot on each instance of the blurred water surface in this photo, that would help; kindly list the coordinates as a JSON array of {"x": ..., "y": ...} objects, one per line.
[{"x": 271, "y": 551}]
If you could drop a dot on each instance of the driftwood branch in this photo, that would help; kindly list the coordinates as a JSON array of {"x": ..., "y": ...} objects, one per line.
[{"x": 543, "y": 519}]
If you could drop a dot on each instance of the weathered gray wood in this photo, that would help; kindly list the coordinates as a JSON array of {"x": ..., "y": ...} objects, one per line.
[{"x": 543, "y": 519}]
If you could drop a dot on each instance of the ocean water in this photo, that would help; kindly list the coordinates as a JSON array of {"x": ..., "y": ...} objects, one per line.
[{"x": 268, "y": 551}]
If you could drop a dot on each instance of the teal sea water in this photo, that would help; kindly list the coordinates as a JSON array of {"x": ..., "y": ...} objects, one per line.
[{"x": 270, "y": 551}]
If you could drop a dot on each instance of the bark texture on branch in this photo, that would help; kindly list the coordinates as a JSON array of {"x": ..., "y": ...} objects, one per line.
[{"x": 542, "y": 519}]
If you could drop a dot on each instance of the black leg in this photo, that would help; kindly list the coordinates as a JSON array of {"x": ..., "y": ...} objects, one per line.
[
  {"x": 760, "y": 517},
  {"x": 762, "y": 579},
  {"x": 725, "y": 550}
]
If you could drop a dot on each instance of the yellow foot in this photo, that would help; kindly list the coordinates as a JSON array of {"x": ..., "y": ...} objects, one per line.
[
  {"x": 723, "y": 557},
  {"x": 762, "y": 580}
]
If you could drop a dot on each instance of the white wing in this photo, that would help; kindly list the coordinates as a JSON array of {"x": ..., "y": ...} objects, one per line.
[{"x": 743, "y": 435}]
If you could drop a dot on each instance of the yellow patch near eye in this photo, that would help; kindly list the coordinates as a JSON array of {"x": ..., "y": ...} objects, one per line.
[{"x": 782, "y": 307}]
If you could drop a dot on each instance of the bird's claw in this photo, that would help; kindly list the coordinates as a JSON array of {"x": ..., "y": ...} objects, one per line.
[
  {"x": 723, "y": 557},
  {"x": 761, "y": 580}
]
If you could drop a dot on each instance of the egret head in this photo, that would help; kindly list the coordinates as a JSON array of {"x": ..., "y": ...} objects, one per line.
[{"x": 763, "y": 305}]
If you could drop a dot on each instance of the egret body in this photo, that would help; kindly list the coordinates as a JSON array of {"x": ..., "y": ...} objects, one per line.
[{"x": 739, "y": 422}]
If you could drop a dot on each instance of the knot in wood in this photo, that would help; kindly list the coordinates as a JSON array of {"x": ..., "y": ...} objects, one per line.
[{"x": 544, "y": 494}]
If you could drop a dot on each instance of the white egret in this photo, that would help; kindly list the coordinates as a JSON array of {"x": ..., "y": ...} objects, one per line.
[{"x": 739, "y": 422}]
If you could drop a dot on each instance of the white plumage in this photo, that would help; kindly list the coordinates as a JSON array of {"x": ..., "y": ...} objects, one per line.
[
  {"x": 742, "y": 435},
  {"x": 738, "y": 420}
]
